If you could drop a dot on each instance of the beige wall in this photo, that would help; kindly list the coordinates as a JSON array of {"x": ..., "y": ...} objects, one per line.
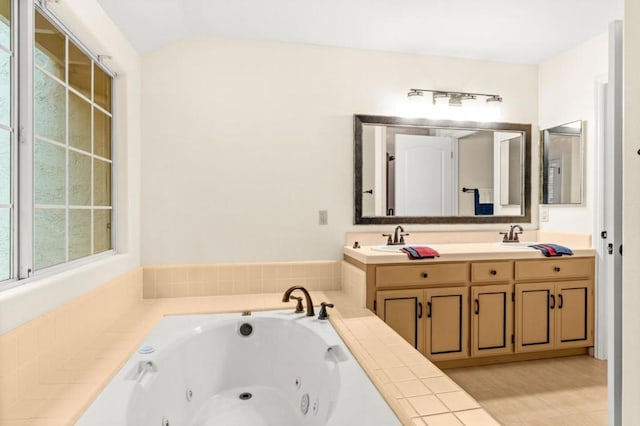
[
  {"x": 567, "y": 93},
  {"x": 631, "y": 217},
  {"x": 244, "y": 141},
  {"x": 88, "y": 21}
]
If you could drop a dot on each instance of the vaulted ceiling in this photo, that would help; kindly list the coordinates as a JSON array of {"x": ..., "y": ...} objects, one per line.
[{"x": 523, "y": 31}]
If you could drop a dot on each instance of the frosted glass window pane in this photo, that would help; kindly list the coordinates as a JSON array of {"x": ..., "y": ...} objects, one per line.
[
  {"x": 101, "y": 230},
  {"x": 5, "y": 167},
  {"x": 79, "y": 179},
  {"x": 49, "y": 106},
  {"x": 49, "y": 237},
  {"x": 79, "y": 233},
  {"x": 49, "y": 173},
  {"x": 50, "y": 47},
  {"x": 5, "y": 89},
  {"x": 79, "y": 123},
  {"x": 79, "y": 70},
  {"x": 5, "y": 244},
  {"x": 102, "y": 134},
  {"x": 101, "y": 183},
  {"x": 101, "y": 88},
  {"x": 5, "y": 23}
]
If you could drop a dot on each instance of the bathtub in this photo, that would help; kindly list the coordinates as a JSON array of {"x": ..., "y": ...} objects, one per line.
[{"x": 267, "y": 368}]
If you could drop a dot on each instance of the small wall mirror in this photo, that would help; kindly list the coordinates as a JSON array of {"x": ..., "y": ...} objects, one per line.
[
  {"x": 562, "y": 164},
  {"x": 438, "y": 171}
]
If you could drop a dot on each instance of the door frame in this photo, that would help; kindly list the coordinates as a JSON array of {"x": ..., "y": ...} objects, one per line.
[{"x": 608, "y": 217}]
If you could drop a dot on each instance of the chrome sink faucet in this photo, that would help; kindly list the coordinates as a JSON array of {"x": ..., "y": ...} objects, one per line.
[
  {"x": 398, "y": 237},
  {"x": 512, "y": 235},
  {"x": 287, "y": 295}
]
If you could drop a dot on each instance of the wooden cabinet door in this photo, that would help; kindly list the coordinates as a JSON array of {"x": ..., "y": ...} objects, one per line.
[
  {"x": 535, "y": 316},
  {"x": 574, "y": 314},
  {"x": 402, "y": 310},
  {"x": 491, "y": 320},
  {"x": 447, "y": 319}
]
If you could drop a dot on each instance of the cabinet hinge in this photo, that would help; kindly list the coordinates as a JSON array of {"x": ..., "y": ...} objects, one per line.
[
  {"x": 513, "y": 339},
  {"x": 513, "y": 296},
  {"x": 375, "y": 306}
]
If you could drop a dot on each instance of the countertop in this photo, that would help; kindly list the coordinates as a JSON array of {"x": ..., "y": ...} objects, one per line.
[{"x": 459, "y": 252}]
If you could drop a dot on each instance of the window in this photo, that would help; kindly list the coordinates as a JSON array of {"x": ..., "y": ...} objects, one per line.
[
  {"x": 7, "y": 87},
  {"x": 64, "y": 174}
]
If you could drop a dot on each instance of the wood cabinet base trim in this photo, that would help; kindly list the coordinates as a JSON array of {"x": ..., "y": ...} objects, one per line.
[{"x": 471, "y": 362}]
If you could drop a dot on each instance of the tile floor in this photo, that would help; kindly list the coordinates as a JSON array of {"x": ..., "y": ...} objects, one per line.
[{"x": 559, "y": 391}]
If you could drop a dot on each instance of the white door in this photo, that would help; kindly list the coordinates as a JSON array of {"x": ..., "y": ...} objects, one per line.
[
  {"x": 424, "y": 175},
  {"x": 608, "y": 224}
]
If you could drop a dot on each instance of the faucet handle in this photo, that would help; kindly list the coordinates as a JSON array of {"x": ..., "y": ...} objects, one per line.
[
  {"x": 389, "y": 240},
  {"x": 299, "y": 307},
  {"x": 323, "y": 310},
  {"x": 505, "y": 239},
  {"x": 402, "y": 235}
]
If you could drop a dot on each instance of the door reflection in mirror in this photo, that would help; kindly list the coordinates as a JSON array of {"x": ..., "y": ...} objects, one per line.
[{"x": 415, "y": 171}]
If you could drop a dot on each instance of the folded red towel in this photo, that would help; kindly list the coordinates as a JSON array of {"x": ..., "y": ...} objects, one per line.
[
  {"x": 552, "y": 250},
  {"x": 420, "y": 252}
]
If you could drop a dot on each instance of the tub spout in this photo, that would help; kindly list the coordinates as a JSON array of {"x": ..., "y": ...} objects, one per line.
[{"x": 287, "y": 295}]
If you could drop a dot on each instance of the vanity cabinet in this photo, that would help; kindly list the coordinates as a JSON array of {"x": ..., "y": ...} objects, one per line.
[
  {"x": 491, "y": 320},
  {"x": 433, "y": 321},
  {"x": 421, "y": 275},
  {"x": 402, "y": 310},
  {"x": 556, "y": 312},
  {"x": 535, "y": 316},
  {"x": 447, "y": 323},
  {"x": 465, "y": 313},
  {"x": 554, "y": 315}
]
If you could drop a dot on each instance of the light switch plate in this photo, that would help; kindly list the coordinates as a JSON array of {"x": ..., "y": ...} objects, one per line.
[
  {"x": 323, "y": 217},
  {"x": 544, "y": 214}
]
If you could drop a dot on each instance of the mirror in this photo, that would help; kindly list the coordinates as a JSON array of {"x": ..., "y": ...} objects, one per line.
[
  {"x": 562, "y": 164},
  {"x": 439, "y": 171}
]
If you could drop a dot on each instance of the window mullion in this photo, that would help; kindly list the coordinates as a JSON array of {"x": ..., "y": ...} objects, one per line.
[
  {"x": 14, "y": 126},
  {"x": 25, "y": 56},
  {"x": 67, "y": 189},
  {"x": 93, "y": 133}
]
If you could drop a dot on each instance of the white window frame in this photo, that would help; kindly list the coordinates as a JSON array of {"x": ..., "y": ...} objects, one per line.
[{"x": 23, "y": 140}]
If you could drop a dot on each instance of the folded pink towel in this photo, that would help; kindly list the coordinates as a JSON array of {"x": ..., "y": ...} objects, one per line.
[{"x": 420, "y": 252}]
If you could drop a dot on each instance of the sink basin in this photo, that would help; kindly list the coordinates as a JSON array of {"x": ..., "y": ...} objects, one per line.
[
  {"x": 395, "y": 249},
  {"x": 523, "y": 244}
]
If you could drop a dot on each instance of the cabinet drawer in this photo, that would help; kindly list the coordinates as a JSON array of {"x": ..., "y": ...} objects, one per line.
[
  {"x": 554, "y": 269},
  {"x": 491, "y": 271},
  {"x": 394, "y": 276}
]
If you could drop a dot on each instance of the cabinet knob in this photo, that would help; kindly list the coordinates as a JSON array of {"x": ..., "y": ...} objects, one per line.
[
  {"x": 493, "y": 272},
  {"x": 556, "y": 268},
  {"x": 425, "y": 275}
]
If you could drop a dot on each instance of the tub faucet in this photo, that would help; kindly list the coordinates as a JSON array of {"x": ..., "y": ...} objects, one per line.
[
  {"x": 512, "y": 235},
  {"x": 287, "y": 295}
]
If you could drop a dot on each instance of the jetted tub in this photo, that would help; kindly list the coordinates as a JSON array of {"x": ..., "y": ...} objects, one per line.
[{"x": 269, "y": 368}]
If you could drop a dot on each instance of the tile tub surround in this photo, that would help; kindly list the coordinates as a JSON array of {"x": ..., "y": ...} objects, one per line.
[
  {"x": 354, "y": 283},
  {"x": 48, "y": 365},
  {"x": 164, "y": 281},
  {"x": 56, "y": 388}
]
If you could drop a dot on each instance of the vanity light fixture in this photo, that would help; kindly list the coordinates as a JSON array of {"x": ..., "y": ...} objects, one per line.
[
  {"x": 455, "y": 98},
  {"x": 441, "y": 98}
]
